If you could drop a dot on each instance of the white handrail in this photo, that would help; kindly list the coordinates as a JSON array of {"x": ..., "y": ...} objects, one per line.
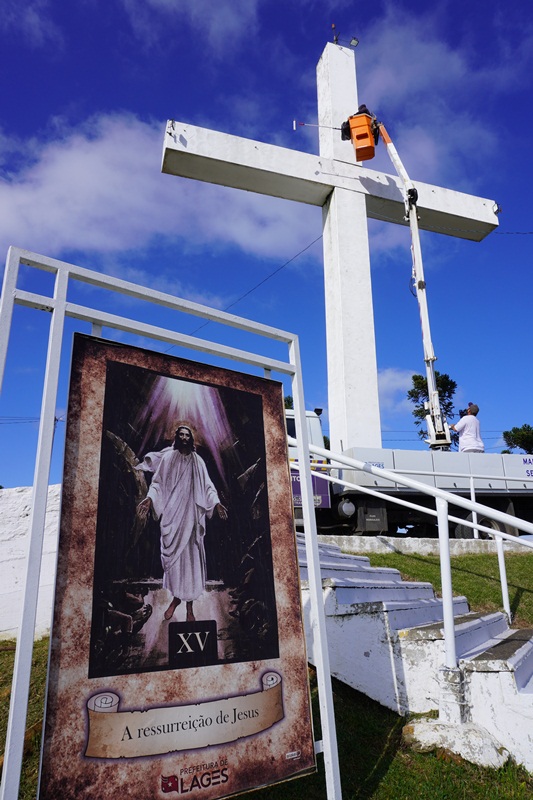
[
  {"x": 424, "y": 488},
  {"x": 442, "y": 500},
  {"x": 478, "y": 476},
  {"x": 408, "y": 504}
]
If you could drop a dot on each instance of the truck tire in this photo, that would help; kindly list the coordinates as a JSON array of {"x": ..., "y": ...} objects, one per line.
[{"x": 464, "y": 532}]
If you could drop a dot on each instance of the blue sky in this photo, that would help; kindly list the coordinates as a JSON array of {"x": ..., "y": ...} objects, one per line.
[{"x": 87, "y": 88}]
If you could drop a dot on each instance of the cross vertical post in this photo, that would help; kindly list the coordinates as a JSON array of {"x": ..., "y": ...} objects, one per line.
[{"x": 352, "y": 365}]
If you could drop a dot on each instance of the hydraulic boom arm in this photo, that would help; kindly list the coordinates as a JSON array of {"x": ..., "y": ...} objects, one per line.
[{"x": 364, "y": 131}]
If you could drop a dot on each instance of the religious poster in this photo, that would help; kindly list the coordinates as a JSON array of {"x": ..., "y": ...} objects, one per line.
[{"x": 178, "y": 661}]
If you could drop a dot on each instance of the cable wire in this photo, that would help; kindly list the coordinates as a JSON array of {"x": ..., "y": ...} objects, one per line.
[{"x": 257, "y": 285}]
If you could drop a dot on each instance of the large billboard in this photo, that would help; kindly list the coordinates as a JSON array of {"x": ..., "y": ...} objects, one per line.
[{"x": 178, "y": 659}]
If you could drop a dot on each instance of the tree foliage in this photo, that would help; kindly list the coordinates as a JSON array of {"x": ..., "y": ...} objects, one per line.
[
  {"x": 419, "y": 395},
  {"x": 519, "y": 438},
  {"x": 289, "y": 402}
]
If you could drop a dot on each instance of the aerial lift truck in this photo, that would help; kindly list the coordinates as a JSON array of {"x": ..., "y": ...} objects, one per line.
[{"x": 511, "y": 490}]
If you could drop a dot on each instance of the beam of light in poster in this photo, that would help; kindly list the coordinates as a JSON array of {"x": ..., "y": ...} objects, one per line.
[{"x": 178, "y": 658}]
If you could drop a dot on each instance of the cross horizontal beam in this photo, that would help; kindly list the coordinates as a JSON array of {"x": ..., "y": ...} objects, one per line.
[{"x": 227, "y": 160}]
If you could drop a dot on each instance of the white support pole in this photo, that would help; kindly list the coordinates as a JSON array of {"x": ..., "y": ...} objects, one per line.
[
  {"x": 317, "y": 615},
  {"x": 452, "y": 697},
  {"x": 23, "y": 656},
  {"x": 446, "y": 583},
  {"x": 7, "y": 301},
  {"x": 503, "y": 578},
  {"x": 474, "y": 513}
]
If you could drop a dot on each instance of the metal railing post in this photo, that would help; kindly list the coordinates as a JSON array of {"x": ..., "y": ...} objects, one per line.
[
  {"x": 446, "y": 583},
  {"x": 452, "y": 694},
  {"x": 474, "y": 513},
  {"x": 317, "y": 615},
  {"x": 503, "y": 577}
]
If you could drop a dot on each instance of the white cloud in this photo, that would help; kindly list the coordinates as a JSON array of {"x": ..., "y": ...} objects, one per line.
[
  {"x": 216, "y": 24},
  {"x": 30, "y": 20},
  {"x": 387, "y": 240},
  {"x": 393, "y": 386},
  {"x": 424, "y": 89},
  {"x": 161, "y": 281},
  {"x": 407, "y": 59},
  {"x": 99, "y": 189}
]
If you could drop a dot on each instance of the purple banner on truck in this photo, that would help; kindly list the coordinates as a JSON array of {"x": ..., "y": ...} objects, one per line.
[{"x": 320, "y": 490}]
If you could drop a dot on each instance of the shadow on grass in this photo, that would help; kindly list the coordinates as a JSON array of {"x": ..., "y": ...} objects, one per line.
[
  {"x": 486, "y": 576},
  {"x": 368, "y": 739},
  {"x": 480, "y": 583},
  {"x": 515, "y": 601}
]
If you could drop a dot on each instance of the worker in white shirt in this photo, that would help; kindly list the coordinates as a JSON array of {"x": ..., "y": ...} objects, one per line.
[{"x": 470, "y": 440}]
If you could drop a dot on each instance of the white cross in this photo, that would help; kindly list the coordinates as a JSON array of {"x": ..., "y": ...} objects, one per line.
[{"x": 348, "y": 194}]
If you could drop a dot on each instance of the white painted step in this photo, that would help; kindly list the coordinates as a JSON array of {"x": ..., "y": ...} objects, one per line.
[
  {"x": 511, "y": 653},
  {"x": 333, "y": 569},
  {"x": 335, "y": 564},
  {"x": 341, "y": 559},
  {"x": 404, "y": 615},
  {"x": 474, "y": 632},
  {"x": 350, "y": 592},
  {"x": 356, "y": 582},
  {"x": 386, "y": 639},
  {"x": 333, "y": 552}
]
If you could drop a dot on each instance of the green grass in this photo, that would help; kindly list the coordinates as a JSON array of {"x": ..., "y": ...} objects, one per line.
[
  {"x": 30, "y": 768},
  {"x": 375, "y": 764},
  {"x": 475, "y": 576}
]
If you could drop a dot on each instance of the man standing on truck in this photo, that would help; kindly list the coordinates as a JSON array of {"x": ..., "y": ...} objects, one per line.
[{"x": 470, "y": 440}]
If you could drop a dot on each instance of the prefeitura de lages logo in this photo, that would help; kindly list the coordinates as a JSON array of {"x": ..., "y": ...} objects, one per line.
[{"x": 198, "y": 776}]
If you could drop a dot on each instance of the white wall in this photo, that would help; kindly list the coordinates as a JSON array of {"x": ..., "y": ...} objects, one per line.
[{"x": 15, "y": 507}]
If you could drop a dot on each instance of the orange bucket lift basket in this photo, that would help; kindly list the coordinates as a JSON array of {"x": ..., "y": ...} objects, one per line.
[{"x": 362, "y": 136}]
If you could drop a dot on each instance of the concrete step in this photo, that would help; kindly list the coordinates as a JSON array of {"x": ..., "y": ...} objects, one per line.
[
  {"x": 511, "y": 653},
  {"x": 341, "y": 570},
  {"x": 325, "y": 547},
  {"x": 500, "y": 693},
  {"x": 386, "y": 639},
  {"x": 351, "y": 592},
  {"x": 404, "y": 615},
  {"x": 356, "y": 582},
  {"x": 331, "y": 558},
  {"x": 334, "y": 553},
  {"x": 474, "y": 632},
  {"x": 522, "y": 660},
  {"x": 335, "y": 564}
]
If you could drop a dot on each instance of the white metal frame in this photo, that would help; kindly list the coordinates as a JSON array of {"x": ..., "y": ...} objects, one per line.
[{"x": 59, "y": 307}]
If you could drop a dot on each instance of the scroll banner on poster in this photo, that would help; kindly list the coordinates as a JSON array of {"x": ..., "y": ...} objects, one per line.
[{"x": 130, "y": 734}]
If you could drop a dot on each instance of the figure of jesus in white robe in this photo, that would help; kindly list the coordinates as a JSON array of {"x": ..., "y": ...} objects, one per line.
[{"x": 182, "y": 496}]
